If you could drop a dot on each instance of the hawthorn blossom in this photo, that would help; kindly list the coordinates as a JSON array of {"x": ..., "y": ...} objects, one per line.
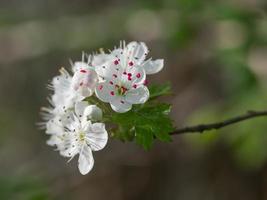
[
  {"x": 133, "y": 54},
  {"x": 84, "y": 79},
  {"x": 55, "y": 125},
  {"x": 122, "y": 87},
  {"x": 76, "y": 134},
  {"x": 118, "y": 78},
  {"x": 69, "y": 89}
]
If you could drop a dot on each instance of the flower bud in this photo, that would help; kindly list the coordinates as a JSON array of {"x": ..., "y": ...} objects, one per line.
[{"x": 93, "y": 112}]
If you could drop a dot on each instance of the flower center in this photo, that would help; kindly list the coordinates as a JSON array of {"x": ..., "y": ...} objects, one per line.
[
  {"x": 121, "y": 90},
  {"x": 82, "y": 136}
]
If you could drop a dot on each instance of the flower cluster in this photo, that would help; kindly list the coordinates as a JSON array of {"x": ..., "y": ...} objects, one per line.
[{"x": 74, "y": 123}]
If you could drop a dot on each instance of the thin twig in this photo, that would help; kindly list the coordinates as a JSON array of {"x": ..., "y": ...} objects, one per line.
[{"x": 206, "y": 127}]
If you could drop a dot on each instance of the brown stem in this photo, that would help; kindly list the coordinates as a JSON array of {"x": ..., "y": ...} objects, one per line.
[{"x": 206, "y": 127}]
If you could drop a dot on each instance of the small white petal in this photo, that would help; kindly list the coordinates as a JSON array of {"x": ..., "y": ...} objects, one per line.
[
  {"x": 120, "y": 105},
  {"x": 54, "y": 126},
  {"x": 86, "y": 160},
  {"x": 53, "y": 140},
  {"x": 137, "y": 52},
  {"x": 152, "y": 67},
  {"x": 80, "y": 108},
  {"x": 84, "y": 82},
  {"x": 93, "y": 112},
  {"x": 61, "y": 86},
  {"x": 100, "y": 59},
  {"x": 78, "y": 66},
  {"x": 138, "y": 75},
  {"x": 109, "y": 69},
  {"x": 97, "y": 136},
  {"x": 105, "y": 91},
  {"x": 137, "y": 96}
]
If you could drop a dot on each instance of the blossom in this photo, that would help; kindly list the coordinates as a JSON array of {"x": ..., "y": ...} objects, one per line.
[
  {"x": 84, "y": 79},
  {"x": 122, "y": 87},
  {"x": 117, "y": 78},
  {"x": 123, "y": 75},
  {"x": 69, "y": 89},
  {"x": 76, "y": 134},
  {"x": 133, "y": 54}
]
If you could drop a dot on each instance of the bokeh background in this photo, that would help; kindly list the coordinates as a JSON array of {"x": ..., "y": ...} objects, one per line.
[{"x": 215, "y": 55}]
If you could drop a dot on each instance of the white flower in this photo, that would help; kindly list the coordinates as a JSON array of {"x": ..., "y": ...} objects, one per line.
[
  {"x": 123, "y": 75},
  {"x": 63, "y": 95},
  {"x": 122, "y": 87},
  {"x": 55, "y": 126},
  {"x": 134, "y": 54},
  {"x": 75, "y": 134},
  {"x": 84, "y": 79},
  {"x": 68, "y": 89}
]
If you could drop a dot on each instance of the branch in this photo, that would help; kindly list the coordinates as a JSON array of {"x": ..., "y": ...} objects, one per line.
[{"x": 206, "y": 127}]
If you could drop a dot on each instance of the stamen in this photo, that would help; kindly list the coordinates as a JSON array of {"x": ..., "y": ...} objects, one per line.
[
  {"x": 146, "y": 82},
  {"x": 116, "y": 62},
  {"x": 83, "y": 71}
]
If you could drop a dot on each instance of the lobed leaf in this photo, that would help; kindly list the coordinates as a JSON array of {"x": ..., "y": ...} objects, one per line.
[{"x": 144, "y": 123}]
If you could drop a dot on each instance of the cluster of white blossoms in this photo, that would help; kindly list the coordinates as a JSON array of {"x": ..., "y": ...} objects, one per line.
[{"x": 117, "y": 78}]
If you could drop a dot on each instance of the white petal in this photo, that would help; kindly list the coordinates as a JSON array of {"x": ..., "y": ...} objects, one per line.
[
  {"x": 68, "y": 147},
  {"x": 53, "y": 140},
  {"x": 79, "y": 65},
  {"x": 152, "y": 67},
  {"x": 109, "y": 69},
  {"x": 138, "y": 75},
  {"x": 120, "y": 55},
  {"x": 55, "y": 126},
  {"x": 137, "y": 96},
  {"x": 97, "y": 136},
  {"x": 84, "y": 81},
  {"x": 100, "y": 59},
  {"x": 61, "y": 85},
  {"x": 86, "y": 160},
  {"x": 105, "y": 91},
  {"x": 120, "y": 105},
  {"x": 80, "y": 107},
  {"x": 117, "y": 52},
  {"x": 137, "y": 52},
  {"x": 93, "y": 112}
]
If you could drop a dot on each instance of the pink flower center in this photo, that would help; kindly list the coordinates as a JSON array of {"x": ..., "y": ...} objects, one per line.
[{"x": 121, "y": 90}]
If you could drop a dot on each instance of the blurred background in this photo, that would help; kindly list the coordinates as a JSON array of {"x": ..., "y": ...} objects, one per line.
[{"x": 215, "y": 55}]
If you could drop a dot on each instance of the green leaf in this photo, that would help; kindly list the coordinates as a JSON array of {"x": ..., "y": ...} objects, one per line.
[
  {"x": 144, "y": 123},
  {"x": 159, "y": 90},
  {"x": 144, "y": 137}
]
